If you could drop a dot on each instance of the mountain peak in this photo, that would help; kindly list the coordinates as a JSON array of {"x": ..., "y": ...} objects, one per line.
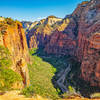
[
  {"x": 52, "y": 20},
  {"x": 52, "y": 16}
]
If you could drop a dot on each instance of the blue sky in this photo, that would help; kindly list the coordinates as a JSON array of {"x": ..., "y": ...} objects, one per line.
[{"x": 31, "y": 10}]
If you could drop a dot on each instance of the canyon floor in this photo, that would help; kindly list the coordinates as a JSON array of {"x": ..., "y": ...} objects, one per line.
[{"x": 46, "y": 72}]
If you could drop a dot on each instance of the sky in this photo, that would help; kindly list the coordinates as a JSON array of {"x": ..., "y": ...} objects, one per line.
[{"x": 32, "y": 10}]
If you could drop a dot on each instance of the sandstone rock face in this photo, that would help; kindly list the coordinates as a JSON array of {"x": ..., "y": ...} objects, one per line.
[
  {"x": 28, "y": 25},
  {"x": 89, "y": 42},
  {"x": 13, "y": 38},
  {"x": 52, "y": 20},
  {"x": 60, "y": 43},
  {"x": 81, "y": 38},
  {"x": 76, "y": 35},
  {"x": 84, "y": 33},
  {"x": 39, "y": 34},
  {"x": 38, "y": 37}
]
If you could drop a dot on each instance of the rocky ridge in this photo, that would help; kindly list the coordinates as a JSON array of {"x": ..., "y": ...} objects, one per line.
[
  {"x": 28, "y": 25},
  {"x": 12, "y": 36},
  {"x": 83, "y": 33},
  {"x": 39, "y": 34}
]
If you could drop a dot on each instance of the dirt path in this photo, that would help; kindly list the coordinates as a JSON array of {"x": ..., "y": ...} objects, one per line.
[{"x": 61, "y": 80}]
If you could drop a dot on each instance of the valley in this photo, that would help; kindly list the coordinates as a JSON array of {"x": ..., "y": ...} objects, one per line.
[
  {"x": 53, "y": 58},
  {"x": 43, "y": 73}
]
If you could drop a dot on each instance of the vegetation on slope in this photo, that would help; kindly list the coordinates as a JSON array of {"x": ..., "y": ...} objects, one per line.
[
  {"x": 42, "y": 72},
  {"x": 7, "y": 76}
]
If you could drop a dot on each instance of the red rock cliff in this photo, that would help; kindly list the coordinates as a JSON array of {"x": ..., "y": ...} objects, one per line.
[
  {"x": 39, "y": 34},
  {"x": 14, "y": 39},
  {"x": 89, "y": 42},
  {"x": 81, "y": 38},
  {"x": 76, "y": 35}
]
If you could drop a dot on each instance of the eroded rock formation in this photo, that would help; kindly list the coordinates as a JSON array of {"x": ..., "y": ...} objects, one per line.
[
  {"x": 84, "y": 33},
  {"x": 12, "y": 36},
  {"x": 76, "y": 35},
  {"x": 38, "y": 34},
  {"x": 89, "y": 42}
]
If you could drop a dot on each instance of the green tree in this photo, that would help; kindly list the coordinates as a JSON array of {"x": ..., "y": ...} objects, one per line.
[
  {"x": 7, "y": 76},
  {"x": 5, "y": 60}
]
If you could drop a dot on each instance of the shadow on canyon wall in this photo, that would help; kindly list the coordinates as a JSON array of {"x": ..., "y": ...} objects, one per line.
[{"x": 74, "y": 77}]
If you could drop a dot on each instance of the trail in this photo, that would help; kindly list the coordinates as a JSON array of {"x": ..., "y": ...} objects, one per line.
[{"x": 61, "y": 80}]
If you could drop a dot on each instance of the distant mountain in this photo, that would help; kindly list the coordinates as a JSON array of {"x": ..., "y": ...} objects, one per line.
[
  {"x": 39, "y": 31},
  {"x": 28, "y": 25}
]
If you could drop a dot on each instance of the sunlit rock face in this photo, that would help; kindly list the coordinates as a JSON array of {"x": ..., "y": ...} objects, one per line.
[
  {"x": 77, "y": 35},
  {"x": 52, "y": 20},
  {"x": 12, "y": 36},
  {"x": 28, "y": 25},
  {"x": 81, "y": 38},
  {"x": 38, "y": 34}
]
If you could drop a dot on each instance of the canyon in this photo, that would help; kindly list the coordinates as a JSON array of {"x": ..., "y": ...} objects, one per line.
[
  {"x": 54, "y": 52},
  {"x": 77, "y": 35}
]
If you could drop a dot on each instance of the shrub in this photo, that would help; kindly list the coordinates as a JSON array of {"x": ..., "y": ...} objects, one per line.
[
  {"x": 33, "y": 51},
  {"x": 71, "y": 89},
  {"x": 3, "y": 28},
  {"x": 95, "y": 95},
  {"x": 28, "y": 91},
  {"x": 18, "y": 22},
  {"x": 5, "y": 60},
  {"x": 69, "y": 93},
  {"x": 8, "y": 77},
  {"x": 10, "y": 21}
]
